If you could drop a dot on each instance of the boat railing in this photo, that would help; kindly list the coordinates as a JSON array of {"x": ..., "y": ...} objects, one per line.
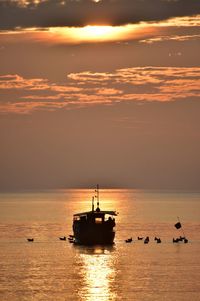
[{"x": 96, "y": 220}]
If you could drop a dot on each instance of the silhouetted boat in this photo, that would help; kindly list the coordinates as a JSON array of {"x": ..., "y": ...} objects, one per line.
[
  {"x": 140, "y": 238},
  {"x": 30, "y": 239},
  {"x": 146, "y": 241},
  {"x": 95, "y": 227}
]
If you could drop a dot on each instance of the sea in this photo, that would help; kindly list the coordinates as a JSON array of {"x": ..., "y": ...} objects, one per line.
[{"x": 50, "y": 269}]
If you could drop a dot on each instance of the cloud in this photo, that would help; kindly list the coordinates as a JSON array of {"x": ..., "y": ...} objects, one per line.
[
  {"x": 51, "y": 13},
  {"x": 177, "y": 29},
  {"x": 179, "y": 38},
  {"x": 17, "y": 82},
  {"x": 109, "y": 91},
  {"x": 138, "y": 84}
]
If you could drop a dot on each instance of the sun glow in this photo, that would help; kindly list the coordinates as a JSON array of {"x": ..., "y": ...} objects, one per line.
[
  {"x": 79, "y": 35},
  {"x": 92, "y": 33}
]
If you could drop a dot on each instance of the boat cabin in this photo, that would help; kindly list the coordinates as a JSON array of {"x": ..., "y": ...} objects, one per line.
[{"x": 96, "y": 217}]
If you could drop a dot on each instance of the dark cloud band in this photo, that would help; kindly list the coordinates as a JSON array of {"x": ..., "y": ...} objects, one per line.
[{"x": 51, "y": 13}]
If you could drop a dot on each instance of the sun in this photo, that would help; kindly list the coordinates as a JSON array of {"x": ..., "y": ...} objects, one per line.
[{"x": 94, "y": 32}]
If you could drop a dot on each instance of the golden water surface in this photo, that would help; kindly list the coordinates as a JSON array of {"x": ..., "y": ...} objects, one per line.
[{"x": 50, "y": 269}]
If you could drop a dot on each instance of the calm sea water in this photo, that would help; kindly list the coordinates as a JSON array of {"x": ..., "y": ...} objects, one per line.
[{"x": 50, "y": 269}]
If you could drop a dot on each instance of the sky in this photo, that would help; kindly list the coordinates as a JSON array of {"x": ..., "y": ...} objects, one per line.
[{"x": 100, "y": 91}]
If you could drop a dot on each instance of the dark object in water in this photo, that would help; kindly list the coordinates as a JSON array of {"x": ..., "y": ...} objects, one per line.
[
  {"x": 140, "y": 238},
  {"x": 30, "y": 239},
  {"x": 62, "y": 238},
  {"x": 181, "y": 238},
  {"x": 146, "y": 241},
  {"x": 92, "y": 227},
  {"x": 178, "y": 225},
  {"x": 71, "y": 238},
  {"x": 129, "y": 240},
  {"x": 158, "y": 240}
]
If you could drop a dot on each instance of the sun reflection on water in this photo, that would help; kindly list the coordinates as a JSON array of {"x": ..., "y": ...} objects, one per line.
[{"x": 98, "y": 273}]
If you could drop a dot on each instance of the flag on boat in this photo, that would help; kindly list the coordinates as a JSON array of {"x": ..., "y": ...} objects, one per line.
[{"x": 177, "y": 225}]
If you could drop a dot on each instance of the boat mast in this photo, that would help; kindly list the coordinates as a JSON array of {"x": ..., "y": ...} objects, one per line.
[
  {"x": 97, "y": 196},
  {"x": 92, "y": 204}
]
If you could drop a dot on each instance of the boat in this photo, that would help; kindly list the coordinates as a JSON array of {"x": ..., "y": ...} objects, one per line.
[{"x": 95, "y": 227}]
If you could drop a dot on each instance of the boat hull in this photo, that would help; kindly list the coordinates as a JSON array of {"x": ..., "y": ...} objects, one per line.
[{"x": 93, "y": 234}]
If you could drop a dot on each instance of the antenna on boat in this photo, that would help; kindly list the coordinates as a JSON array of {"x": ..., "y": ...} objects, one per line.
[
  {"x": 92, "y": 203},
  {"x": 97, "y": 196}
]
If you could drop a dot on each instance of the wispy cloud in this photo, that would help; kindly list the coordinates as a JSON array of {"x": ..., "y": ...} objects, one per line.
[
  {"x": 17, "y": 82},
  {"x": 175, "y": 29},
  {"x": 178, "y": 38},
  {"x": 87, "y": 88}
]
